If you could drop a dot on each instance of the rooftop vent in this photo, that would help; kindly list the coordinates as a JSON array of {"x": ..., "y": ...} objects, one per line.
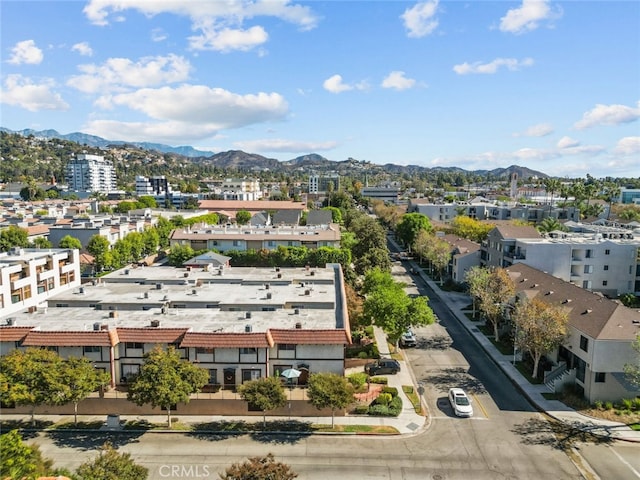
[
  {"x": 126, "y": 271},
  {"x": 155, "y": 323},
  {"x": 313, "y": 272},
  {"x": 104, "y": 326},
  {"x": 186, "y": 274},
  {"x": 194, "y": 292},
  {"x": 269, "y": 296},
  {"x": 535, "y": 285},
  {"x": 96, "y": 326},
  {"x": 146, "y": 294},
  {"x": 296, "y": 311},
  {"x": 277, "y": 269},
  {"x": 248, "y": 328},
  {"x": 113, "y": 314},
  {"x": 266, "y": 286},
  {"x": 307, "y": 291},
  {"x": 588, "y": 310},
  {"x": 279, "y": 275},
  {"x": 158, "y": 286},
  {"x": 550, "y": 292},
  {"x": 11, "y": 321},
  {"x": 81, "y": 290},
  {"x": 298, "y": 325},
  {"x": 247, "y": 315},
  {"x": 568, "y": 300}
]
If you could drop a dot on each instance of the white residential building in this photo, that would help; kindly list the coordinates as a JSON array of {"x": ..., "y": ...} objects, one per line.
[
  {"x": 28, "y": 277},
  {"x": 91, "y": 173},
  {"x": 241, "y": 189}
]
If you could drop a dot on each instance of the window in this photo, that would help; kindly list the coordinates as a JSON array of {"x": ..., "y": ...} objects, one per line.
[
  {"x": 607, "y": 252},
  {"x": 91, "y": 349},
  {"x": 605, "y": 283},
  {"x": 204, "y": 350},
  {"x": 600, "y": 377},
  {"x": 133, "y": 345},
  {"x": 248, "y": 351},
  {"x": 588, "y": 269},
  {"x": 128, "y": 371},
  {"x": 589, "y": 253},
  {"x": 236, "y": 243},
  {"x": 586, "y": 284},
  {"x": 584, "y": 343},
  {"x": 606, "y": 267},
  {"x": 213, "y": 376},
  {"x": 286, "y": 347}
]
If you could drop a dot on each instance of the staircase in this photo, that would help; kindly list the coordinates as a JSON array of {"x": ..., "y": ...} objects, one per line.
[{"x": 559, "y": 377}]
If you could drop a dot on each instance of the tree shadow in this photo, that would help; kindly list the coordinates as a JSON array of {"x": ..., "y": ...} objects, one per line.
[
  {"x": 455, "y": 377},
  {"x": 560, "y": 435},
  {"x": 26, "y": 428},
  {"x": 92, "y": 439},
  {"x": 439, "y": 342},
  {"x": 275, "y": 431}
]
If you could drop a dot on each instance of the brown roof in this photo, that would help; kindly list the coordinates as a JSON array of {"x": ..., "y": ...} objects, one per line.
[
  {"x": 462, "y": 245},
  {"x": 13, "y": 334},
  {"x": 331, "y": 233},
  {"x": 87, "y": 259},
  {"x": 37, "y": 338},
  {"x": 225, "y": 340},
  {"x": 251, "y": 206},
  {"x": 151, "y": 335},
  {"x": 37, "y": 230},
  {"x": 590, "y": 313},
  {"x": 518, "y": 231},
  {"x": 310, "y": 337}
]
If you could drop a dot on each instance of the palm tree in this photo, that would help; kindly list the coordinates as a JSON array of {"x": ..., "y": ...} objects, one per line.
[{"x": 611, "y": 194}]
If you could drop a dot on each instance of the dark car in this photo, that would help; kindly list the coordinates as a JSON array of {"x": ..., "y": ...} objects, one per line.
[{"x": 382, "y": 366}]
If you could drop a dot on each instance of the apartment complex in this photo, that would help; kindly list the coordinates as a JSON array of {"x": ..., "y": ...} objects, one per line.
[
  {"x": 241, "y": 189},
  {"x": 29, "y": 276},
  {"x": 91, "y": 173},
  {"x": 605, "y": 260},
  {"x": 599, "y": 340},
  {"x": 248, "y": 237},
  {"x": 319, "y": 184},
  {"x": 238, "y": 323}
]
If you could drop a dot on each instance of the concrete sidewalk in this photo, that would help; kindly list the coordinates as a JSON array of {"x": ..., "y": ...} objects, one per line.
[{"x": 456, "y": 302}]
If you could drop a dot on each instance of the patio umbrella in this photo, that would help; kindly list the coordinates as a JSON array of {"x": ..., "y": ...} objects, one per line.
[{"x": 290, "y": 373}]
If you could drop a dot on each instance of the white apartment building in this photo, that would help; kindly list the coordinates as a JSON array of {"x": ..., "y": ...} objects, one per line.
[
  {"x": 91, "y": 173},
  {"x": 320, "y": 183},
  {"x": 28, "y": 277},
  {"x": 600, "y": 262},
  {"x": 241, "y": 189}
]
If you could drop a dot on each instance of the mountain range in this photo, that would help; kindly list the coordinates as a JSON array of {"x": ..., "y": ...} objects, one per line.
[{"x": 241, "y": 160}]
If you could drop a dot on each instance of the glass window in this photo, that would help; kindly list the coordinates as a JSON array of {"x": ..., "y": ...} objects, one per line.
[
  {"x": 601, "y": 377},
  {"x": 584, "y": 343},
  {"x": 248, "y": 351},
  {"x": 91, "y": 349},
  {"x": 606, "y": 267}
]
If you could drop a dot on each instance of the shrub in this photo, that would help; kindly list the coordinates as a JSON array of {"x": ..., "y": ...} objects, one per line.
[
  {"x": 393, "y": 409},
  {"x": 358, "y": 379},
  {"x": 598, "y": 404},
  {"x": 379, "y": 380},
  {"x": 379, "y": 411},
  {"x": 608, "y": 405},
  {"x": 383, "y": 399},
  {"x": 361, "y": 409},
  {"x": 363, "y": 355},
  {"x": 636, "y": 403},
  {"x": 627, "y": 403},
  {"x": 393, "y": 391},
  {"x": 368, "y": 330}
]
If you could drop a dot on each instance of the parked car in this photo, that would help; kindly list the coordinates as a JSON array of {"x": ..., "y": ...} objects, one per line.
[
  {"x": 382, "y": 366},
  {"x": 408, "y": 339},
  {"x": 460, "y": 402}
]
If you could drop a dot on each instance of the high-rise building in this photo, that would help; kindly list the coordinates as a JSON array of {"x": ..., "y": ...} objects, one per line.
[{"x": 91, "y": 173}]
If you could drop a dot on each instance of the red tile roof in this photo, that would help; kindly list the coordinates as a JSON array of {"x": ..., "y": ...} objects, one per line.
[
  {"x": 151, "y": 335},
  {"x": 37, "y": 338},
  {"x": 310, "y": 337},
  {"x": 225, "y": 340},
  {"x": 13, "y": 334}
]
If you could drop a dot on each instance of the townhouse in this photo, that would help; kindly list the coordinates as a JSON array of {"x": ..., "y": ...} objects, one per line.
[
  {"x": 238, "y": 323},
  {"x": 598, "y": 344}
]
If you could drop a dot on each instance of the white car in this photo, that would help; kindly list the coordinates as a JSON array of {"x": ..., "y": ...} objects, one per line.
[{"x": 460, "y": 403}]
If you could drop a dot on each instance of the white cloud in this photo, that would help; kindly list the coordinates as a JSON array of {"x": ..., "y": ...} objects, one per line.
[
  {"x": 118, "y": 73},
  {"x": 334, "y": 84},
  {"x": 195, "y": 105},
  {"x": 398, "y": 81},
  {"x": 22, "y": 92},
  {"x": 220, "y": 23},
  {"x": 567, "y": 142},
  {"x": 527, "y": 17},
  {"x": 158, "y": 35},
  {"x": 492, "y": 67},
  {"x": 82, "y": 48},
  {"x": 419, "y": 20},
  {"x": 227, "y": 39},
  {"x": 26, "y": 52},
  {"x": 608, "y": 115},
  {"x": 161, "y": 132},
  {"x": 282, "y": 145},
  {"x": 628, "y": 146},
  {"x": 539, "y": 130}
]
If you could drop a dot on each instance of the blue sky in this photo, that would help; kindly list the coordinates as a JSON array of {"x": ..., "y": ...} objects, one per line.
[{"x": 554, "y": 86}]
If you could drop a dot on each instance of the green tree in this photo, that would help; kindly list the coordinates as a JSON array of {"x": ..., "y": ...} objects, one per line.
[
  {"x": 13, "y": 236},
  {"x": 19, "y": 460},
  {"x": 632, "y": 370},
  {"x": 499, "y": 290},
  {"x": 329, "y": 390},
  {"x": 111, "y": 465},
  {"x": 81, "y": 378},
  {"x": 477, "y": 280},
  {"x": 70, "y": 242},
  {"x": 336, "y": 214},
  {"x": 470, "y": 228},
  {"x": 259, "y": 468},
  {"x": 549, "y": 225},
  {"x": 540, "y": 328},
  {"x": 409, "y": 226},
  {"x": 180, "y": 254},
  {"x": 150, "y": 240},
  {"x": 147, "y": 201},
  {"x": 164, "y": 379},
  {"x": 32, "y": 378},
  {"x": 41, "y": 242},
  {"x": 243, "y": 217},
  {"x": 99, "y": 247},
  {"x": 264, "y": 393}
]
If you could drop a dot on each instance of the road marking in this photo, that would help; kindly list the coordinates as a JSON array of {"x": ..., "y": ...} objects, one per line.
[
  {"x": 622, "y": 460},
  {"x": 480, "y": 405}
]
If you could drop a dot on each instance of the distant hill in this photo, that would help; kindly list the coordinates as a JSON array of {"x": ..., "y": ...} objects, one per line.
[
  {"x": 94, "y": 141},
  {"x": 239, "y": 160}
]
